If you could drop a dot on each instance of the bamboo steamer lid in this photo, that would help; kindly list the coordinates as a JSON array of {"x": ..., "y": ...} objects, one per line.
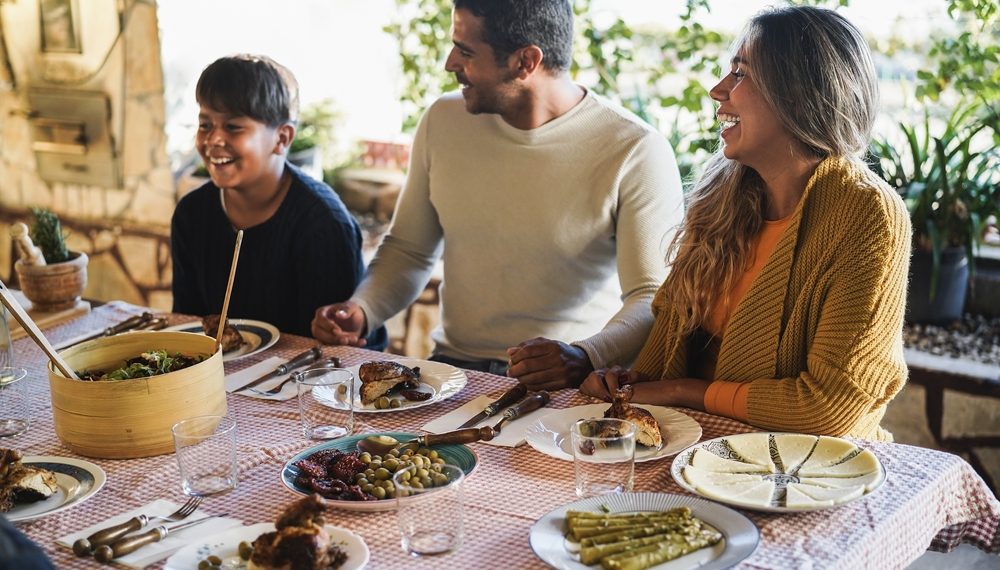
[{"x": 124, "y": 419}]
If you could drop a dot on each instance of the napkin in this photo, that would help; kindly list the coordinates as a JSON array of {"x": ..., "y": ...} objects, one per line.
[
  {"x": 511, "y": 435},
  {"x": 237, "y": 380},
  {"x": 152, "y": 553}
]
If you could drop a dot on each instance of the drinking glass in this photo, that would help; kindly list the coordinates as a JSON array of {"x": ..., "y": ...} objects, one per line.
[
  {"x": 6, "y": 343},
  {"x": 325, "y": 397},
  {"x": 603, "y": 456},
  {"x": 431, "y": 519},
  {"x": 13, "y": 401},
  {"x": 206, "y": 455}
]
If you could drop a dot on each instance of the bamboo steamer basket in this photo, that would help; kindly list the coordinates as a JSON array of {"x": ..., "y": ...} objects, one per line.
[{"x": 123, "y": 419}]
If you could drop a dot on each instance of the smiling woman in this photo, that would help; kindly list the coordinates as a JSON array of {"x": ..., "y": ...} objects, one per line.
[{"x": 806, "y": 248}]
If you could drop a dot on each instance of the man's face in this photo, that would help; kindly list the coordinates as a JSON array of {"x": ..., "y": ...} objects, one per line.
[{"x": 486, "y": 86}]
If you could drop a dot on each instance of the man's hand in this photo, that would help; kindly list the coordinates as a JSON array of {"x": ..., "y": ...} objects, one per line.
[
  {"x": 340, "y": 323},
  {"x": 545, "y": 364},
  {"x": 603, "y": 383}
]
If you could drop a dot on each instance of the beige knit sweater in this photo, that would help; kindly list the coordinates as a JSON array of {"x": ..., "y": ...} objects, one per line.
[{"x": 819, "y": 334}]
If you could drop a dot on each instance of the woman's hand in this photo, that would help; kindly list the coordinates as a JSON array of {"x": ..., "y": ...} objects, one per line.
[{"x": 603, "y": 383}]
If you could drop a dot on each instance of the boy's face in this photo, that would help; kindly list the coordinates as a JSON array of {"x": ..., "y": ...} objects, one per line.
[{"x": 240, "y": 153}]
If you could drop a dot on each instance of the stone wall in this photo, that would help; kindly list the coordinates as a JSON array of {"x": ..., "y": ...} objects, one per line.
[{"x": 124, "y": 227}]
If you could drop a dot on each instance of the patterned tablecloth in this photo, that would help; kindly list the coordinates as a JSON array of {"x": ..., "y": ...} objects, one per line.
[{"x": 929, "y": 500}]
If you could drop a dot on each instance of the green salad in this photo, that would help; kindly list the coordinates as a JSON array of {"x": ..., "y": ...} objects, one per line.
[{"x": 147, "y": 364}]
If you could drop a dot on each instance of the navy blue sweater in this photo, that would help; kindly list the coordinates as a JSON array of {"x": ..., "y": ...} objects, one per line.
[{"x": 308, "y": 254}]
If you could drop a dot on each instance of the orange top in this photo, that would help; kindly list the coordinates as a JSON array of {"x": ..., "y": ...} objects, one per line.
[{"x": 730, "y": 398}]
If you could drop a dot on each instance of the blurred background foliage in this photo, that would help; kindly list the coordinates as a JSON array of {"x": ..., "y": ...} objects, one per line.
[{"x": 663, "y": 75}]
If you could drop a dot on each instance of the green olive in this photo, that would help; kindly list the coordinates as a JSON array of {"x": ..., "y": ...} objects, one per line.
[
  {"x": 382, "y": 403},
  {"x": 246, "y": 549},
  {"x": 382, "y": 474},
  {"x": 214, "y": 560},
  {"x": 392, "y": 464},
  {"x": 367, "y": 488},
  {"x": 405, "y": 476},
  {"x": 440, "y": 479},
  {"x": 204, "y": 565},
  {"x": 423, "y": 451},
  {"x": 433, "y": 454},
  {"x": 365, "y": 457},
  {"x": 342, "y": 389},
  {"x": 379, "y": 492},
  {"x": 394, "y": 403}
]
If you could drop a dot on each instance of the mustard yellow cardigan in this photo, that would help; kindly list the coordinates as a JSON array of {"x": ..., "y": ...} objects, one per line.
[{"x": 819, "y": 334}]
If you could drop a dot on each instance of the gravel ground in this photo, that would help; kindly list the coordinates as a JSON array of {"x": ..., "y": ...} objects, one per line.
[{"x": 974, "y": 337}]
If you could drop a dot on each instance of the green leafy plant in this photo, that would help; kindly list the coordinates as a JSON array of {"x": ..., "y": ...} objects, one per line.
[
  {"x": 47, "y": 234},
  {"x": 950, "y": 181},
  {"x": 316, "y": 125}
]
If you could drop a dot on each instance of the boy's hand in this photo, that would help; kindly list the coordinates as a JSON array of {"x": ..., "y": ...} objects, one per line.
[
  {"x": 548, "y": 364},
  {"x": 340, "y": 323}
]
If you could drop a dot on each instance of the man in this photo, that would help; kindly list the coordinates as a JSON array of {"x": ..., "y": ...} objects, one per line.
[{"x": 536, "y": 194}]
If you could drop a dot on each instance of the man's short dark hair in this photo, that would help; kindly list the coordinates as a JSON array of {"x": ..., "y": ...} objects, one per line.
[
  {"x": 509, "y": 25},
  {"x": 253, "y": 86}
]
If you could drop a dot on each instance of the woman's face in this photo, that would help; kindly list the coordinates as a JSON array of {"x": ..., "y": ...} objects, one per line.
[{"x": 752, "y": 133}]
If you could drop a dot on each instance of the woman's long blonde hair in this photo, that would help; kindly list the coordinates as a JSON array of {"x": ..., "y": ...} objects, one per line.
[{"x": 814, "y": 69}]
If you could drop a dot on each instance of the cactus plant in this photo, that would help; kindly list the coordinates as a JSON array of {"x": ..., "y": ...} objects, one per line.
[{"x": 47, "y": 234}]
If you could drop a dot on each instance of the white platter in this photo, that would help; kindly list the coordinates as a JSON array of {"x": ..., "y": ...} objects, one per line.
[
  {"x": 78, "y": 481},
  {"x": 226, "y": 544},
  {"x": 550, "y": 434},
  {"x": 258, "y": 335},
  {"x": 719, "y": 446},
  {"x": 441, "y": 380},
  {"x": 739, "y": 534}
]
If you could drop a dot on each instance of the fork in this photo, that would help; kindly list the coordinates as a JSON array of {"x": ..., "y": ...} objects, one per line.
[
  {"x": 333, "y": 360},
  {"x": 85, "y": 546}
]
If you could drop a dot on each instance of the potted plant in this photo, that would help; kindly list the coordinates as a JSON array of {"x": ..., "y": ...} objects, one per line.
[
  {"x": 51, "y": 276},
  {"x": 951, "y": 185}
]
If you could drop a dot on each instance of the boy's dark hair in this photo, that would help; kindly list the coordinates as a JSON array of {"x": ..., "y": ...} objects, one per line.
[
  {"x": 509, "y": 25},
  {"x": 253, "y": 86}
]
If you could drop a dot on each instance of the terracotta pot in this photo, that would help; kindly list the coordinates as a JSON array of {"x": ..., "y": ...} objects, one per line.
[{"x": 54, "y": 287}]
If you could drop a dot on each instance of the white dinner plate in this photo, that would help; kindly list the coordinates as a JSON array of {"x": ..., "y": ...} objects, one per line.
[
  {"x": 550, "y": 434},
  {"x": 226, "y": 544},
  {"x": 720, "y": 447},
  {"x": 78, "y": 481},
  {"x": 258, "y": 336},
  {"x": 739, "y": 534},
  {"x": 441, "y": 380}
]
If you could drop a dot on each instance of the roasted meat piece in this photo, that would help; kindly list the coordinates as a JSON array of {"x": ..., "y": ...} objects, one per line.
[
  {"x": 378, "y": 378},
  {"x": 300, "y": 541},
  {"x": 231, "y": 338},
  {"x": 23, "y": 484},
  {"x": 647, "y": 431}
]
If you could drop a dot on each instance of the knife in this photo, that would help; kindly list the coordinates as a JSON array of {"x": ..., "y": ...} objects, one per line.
[
  {"x": 485, "y": 433},
  {"x": 130, "y": 544},
  {"x": 302, "y": 359},
  {"x": 506, "y": 399}
]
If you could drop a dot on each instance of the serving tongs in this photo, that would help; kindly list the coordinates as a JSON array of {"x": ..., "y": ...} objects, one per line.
[
  {"x": 145, "y": 321},
  {"x": 382, "y": 444}
]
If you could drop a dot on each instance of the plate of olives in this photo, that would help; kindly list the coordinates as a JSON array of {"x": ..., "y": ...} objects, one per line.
[{"x": 355, "y": 480}]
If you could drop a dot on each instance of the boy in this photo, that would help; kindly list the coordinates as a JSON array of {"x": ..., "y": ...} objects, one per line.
[{"x": 301, "y": 248}]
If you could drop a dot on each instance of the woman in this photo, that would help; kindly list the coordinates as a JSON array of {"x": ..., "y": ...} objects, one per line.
[{"x": 784, "y": 305}]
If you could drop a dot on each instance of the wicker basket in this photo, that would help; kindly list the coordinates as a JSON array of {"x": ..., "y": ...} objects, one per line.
[{"x": 132, "y": 418}]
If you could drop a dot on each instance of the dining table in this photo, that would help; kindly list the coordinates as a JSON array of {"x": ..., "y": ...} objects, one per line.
[{"x": 930, "y": 500}]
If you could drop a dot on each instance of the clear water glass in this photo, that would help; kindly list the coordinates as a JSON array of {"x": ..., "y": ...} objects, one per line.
[
  {"x": 324, "y": 395},
  {"x": 206, "y": 455},
  {"x": 13, "y": 401},
  {"x": 431, "y": 518},
  {"x": 603, "y": 456}
]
